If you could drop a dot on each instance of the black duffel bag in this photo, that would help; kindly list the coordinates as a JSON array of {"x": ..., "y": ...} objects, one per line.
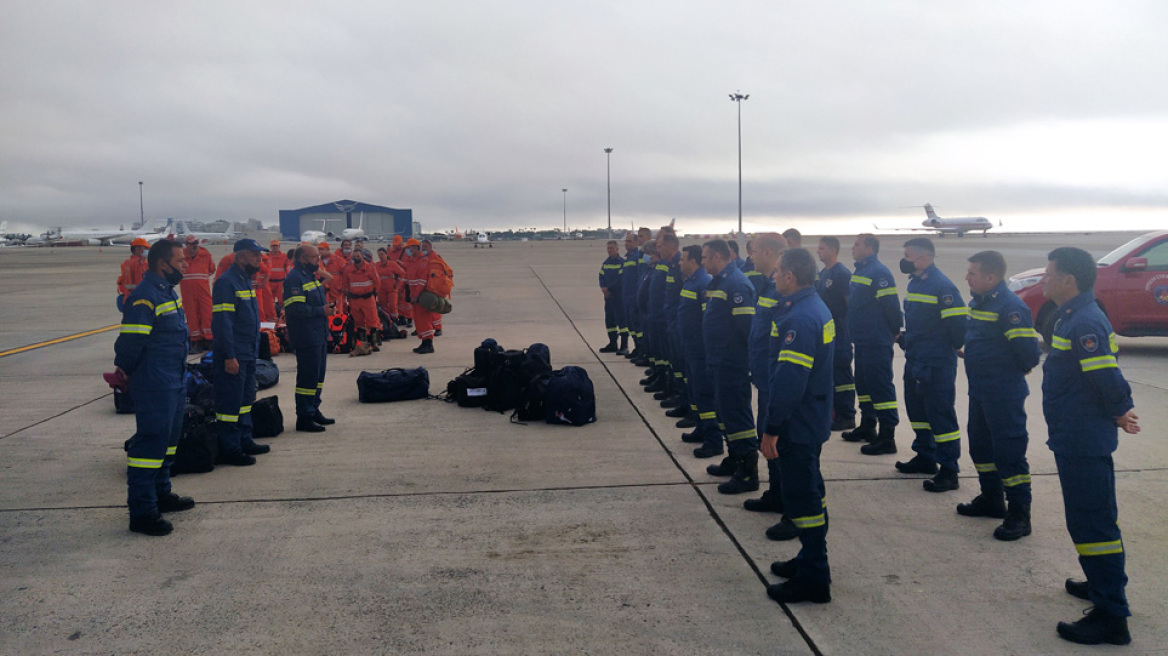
[
  {"x": 267, "y": 374},
  {"x": 198, "y": 446},
  {"x": 395, "y": 384},
  {"x": 266, "y": 418},
  {"x": 467, "y": 390}
]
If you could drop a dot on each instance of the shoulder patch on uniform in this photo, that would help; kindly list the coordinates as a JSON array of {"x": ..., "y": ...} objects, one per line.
[
  {"x": 1014, "y": 317},
  {"x": 947, "y": 299},
  {"x": 827, "y": 282},
  {"x": 1090, "y": 343},
  {"x": 884, "y": 282},
  {"x": 738, "y": 298},
  {"x": 790, "y": 338}
]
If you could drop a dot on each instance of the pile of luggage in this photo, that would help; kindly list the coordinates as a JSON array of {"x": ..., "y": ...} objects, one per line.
[{"x": 523, "y": 383}]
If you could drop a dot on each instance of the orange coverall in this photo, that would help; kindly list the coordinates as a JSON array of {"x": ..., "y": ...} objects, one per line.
[
  {"x": 417, "y": 273},
  {"x": 132, "y": 271},
  {"x": 196, "y": 293},
  {"x": 360, "y": 287},
  {"x": 278, "y": 264},
  {"x": 389, "y": 272}
]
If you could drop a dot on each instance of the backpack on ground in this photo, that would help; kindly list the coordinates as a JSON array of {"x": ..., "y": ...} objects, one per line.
[
  {"x": 198, "y": 445},
  {"x": 395, "y": 384},
  {"x": 389, "y": 329},
  {"x": 538, "y": 360},
  {"x": 571, "y": 399},
  {"x": 267, "y": 374},
  {"x": 506, "y": 381},
  {"x": 532, "y": 401},
  {"x": 486, "y": 357},
  {"x": 266, "y": 418},
  {"x": 467, "y": 390},
  {"x": 341, "y": 334},
  {"x": 200, "y": 391}
]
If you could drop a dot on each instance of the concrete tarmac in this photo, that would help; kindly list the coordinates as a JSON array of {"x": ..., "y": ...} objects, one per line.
[{"x": 422, "y": 527}]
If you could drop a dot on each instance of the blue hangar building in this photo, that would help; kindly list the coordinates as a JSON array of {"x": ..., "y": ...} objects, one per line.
[{"x": 379, "y": 222}]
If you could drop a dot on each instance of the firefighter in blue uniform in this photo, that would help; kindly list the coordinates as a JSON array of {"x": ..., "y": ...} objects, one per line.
[
  {"x": 614, "y": 309},
  {"x": 629, "y": 280},
  {"x": 662, "y": 378},
  {"x": 799, "y": 422},
  {"x": 689, "y": 321},
  {"x": 874, "y": 321},
  {"x": 647, "y": 268},
  {"x": 766, "y": 249},
  {"x": 757, "y": 278},
  {"x": 832, "y": 287},
  {"x": 1084, "y": 399},
  {"x": 726, "y": 331},
  {"x": 677, "y": 400},
  {"x": 934, "y": 330},
  {"x": 151, "y": 351},
  {"x": 307, "y": 309},
  {"x": 1001, "y": 347},
  {"x": 235, "y": 324}
]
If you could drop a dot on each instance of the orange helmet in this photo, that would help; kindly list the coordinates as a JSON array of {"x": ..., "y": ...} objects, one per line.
[
  {"x": 397, "y": 240},
  {"x": 413, "y": 242},
  {"x": 275, "y": 242},
  {"x": 139, "y": 241},
  {"x": 323, "y": 246}
]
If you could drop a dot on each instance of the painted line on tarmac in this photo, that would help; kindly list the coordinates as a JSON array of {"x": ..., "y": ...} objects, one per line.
[
  {"x": 693, "y": 484},
  {"x": 52, "y": 417},
  {"x": 59, "y": 340}
]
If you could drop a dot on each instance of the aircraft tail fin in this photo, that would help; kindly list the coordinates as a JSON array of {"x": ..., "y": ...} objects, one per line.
[
  {"x": 929, "y": 212},
  {"x": 3, "y": 226}
]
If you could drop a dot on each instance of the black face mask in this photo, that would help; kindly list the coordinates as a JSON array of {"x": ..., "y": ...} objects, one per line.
[
  {"x": 907, "y": 266},
  {"x": 173, "y": 277},
  {"x": 250, "y": 269},
  {"x": 310, "y": 267}
]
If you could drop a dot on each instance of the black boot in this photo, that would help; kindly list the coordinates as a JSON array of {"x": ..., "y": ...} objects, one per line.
[
  {"x": 791, "y": 592},
  {"x": 696, "y": 436},
  {"x": 727, "y": 467},
  {"x": 768, "y": 502},
  {"x": 649, "y": 379},
  {"x": 611, "y": 348},
  {"x": 674, "y": 401},
  {"x": 786, "y": 569},
  {"x": 1017, "y": 524},
  {"x": 1096, "y": 628},
  {"x": 240, "y": 459},
  {"x": 918, "y": 465},
  {"x": 426, "y": 347},
  {"x": 323, "y": 420},
  {"x": 944, "y": 481},
  {"x": 678, "y": 412},
  {"x": 745, "y": 477},
  {"x": 307, "y": 425},
  {"x": 884, "y": 443},
  {"x": 624, "y": 345},
  {"x": 710, "y": 449},
  {"x": 253, "y": 449},
  {"x": 1078, "y": 589},
  {"x": 663, "y": 394},
  {"x": 986, "y": 504},
  {"x": 783, "y": 531},
  {"x": 154, "y": 525},
  {"x": 843, "y": 424},
  {"x": 689, "y": 421},
  {"x": 658, "y": 384},
  {"x": 865, "y": 433},
  {"x": 174, "y": 503}
]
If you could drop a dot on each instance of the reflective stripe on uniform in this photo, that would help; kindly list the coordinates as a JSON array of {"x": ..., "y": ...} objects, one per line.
[
  {"x": 1014, "y": 481},
  {"x": 954, "y": 312},
  {"x": 947, "y": 437},
  {"x": 305, "y": 392},
  {"x": 309, "y": 286},
  {"x": 295, "y": 299},
  {"x": 1101, "y": 362},
  {"x": 243, "y": 410},
  {"x": 743, "y": 310},
  {"x": 167, "y": 307},
  {"x": 845, "y": 388},
  {"x": 136, "y": 329},
  {"x": 983, "y": 316},
  {"x": 914, "y": 297},
  {"x": 223, "y": 307},
  {"x": 813, "y": 521},
  {"x": 983, "y": 467},
  {"x": 1060, "y": 343},
  {"x": 690, "y": 294},
  {"x": 145, "y": 463},
  {"x": 890, "y": 291},
  {"x": 768, "y": 302},
  {"x": 864, "y": 398},
  {"x": 921, "y": 425},
  {"x": 885, "y": 405},
  {"x": 231, "y": 419},
  {"x": 715, "y": 293},
  {"x": 740, "y": 435},
  {"x": 796, "y": 357},
  {"x": 171, "y": 450},
  {"x": 708, "y": 415},
  {"x": 245, "y": 293},
  {"x": 862, "y": 280},
  {"x": 1015, "y": 333},
  {"x": 1100, "y": 548}
]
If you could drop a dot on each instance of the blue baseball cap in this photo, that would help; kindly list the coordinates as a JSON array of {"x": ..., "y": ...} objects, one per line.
[{"x": 248, "y": 245}]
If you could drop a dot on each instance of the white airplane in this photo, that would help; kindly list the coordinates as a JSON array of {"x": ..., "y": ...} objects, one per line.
[
  {"x": 180, "y": 232},
  {"x": 483, "y": 238},
  {"x": 958, "y": 225},
  {"x": 150, "y": 234},
  {"x": 88, "y": 236},
  {"x": 315, "y": 236},
  {"x": 355, "y": 234}
]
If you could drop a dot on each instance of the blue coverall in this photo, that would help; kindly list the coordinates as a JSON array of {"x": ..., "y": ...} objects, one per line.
[
  {"x": 630, "y": 280},
  {"x": 799, "y": 408},
  {"x": 832, "y": 287},
  {"x": 235, "y": 324},
  {"x": 673, "y": 284},
  {"x": 934, "y": 328},
  {"x": 701, "y": 386},
  {"x": 726, "y": 330},
  {"x": 1083, "y": 391},
  {"x": 152, "y": 349},
  {"x": 305, "y": 312},
  {"x": 614, "y": 309},
  {"x": 658, "y": 336},
  {"x": 760, "y": 360},
  {"x": 874, "y": 320},
  {"x": 1001, "y": 347}
]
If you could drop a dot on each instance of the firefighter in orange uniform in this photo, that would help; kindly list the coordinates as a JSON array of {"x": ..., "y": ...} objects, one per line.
[
  {"x": 437, "y": 264},
  {"x": 132, "y": 269},
  {"x": 278, "y": 266},
  {"x": 390, "y": 273},
  {"x": 359, "y": 280},
  {"x": 408, "y": 256},
  {"x": 261, "y": 283},
  {"x": 196, "y": 292},
  {"x": 225, "y": 263},
  {"x": 333, "y": 264}
]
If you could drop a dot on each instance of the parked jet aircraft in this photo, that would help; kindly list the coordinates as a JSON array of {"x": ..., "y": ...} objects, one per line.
[{"x": 958, "y": 226}]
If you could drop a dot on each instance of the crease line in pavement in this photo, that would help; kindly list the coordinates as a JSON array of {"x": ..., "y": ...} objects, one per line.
[
  {"x": 695, "y": 486},
  {"x": 52, "y": 417}
]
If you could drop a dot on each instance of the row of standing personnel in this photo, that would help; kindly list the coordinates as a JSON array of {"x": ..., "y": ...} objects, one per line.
[{"x": 709, "y": 325}]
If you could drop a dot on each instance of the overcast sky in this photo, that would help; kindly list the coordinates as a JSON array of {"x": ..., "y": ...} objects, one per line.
[{"x": 477, "y": 114}]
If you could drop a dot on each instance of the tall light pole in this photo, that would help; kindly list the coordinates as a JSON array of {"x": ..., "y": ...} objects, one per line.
[
  {"x": 737, "y": 97},
  {"x": 565, "y": 210},
  {"x": 141, "y": 206},
  {"x": 608, "y": 167}
]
